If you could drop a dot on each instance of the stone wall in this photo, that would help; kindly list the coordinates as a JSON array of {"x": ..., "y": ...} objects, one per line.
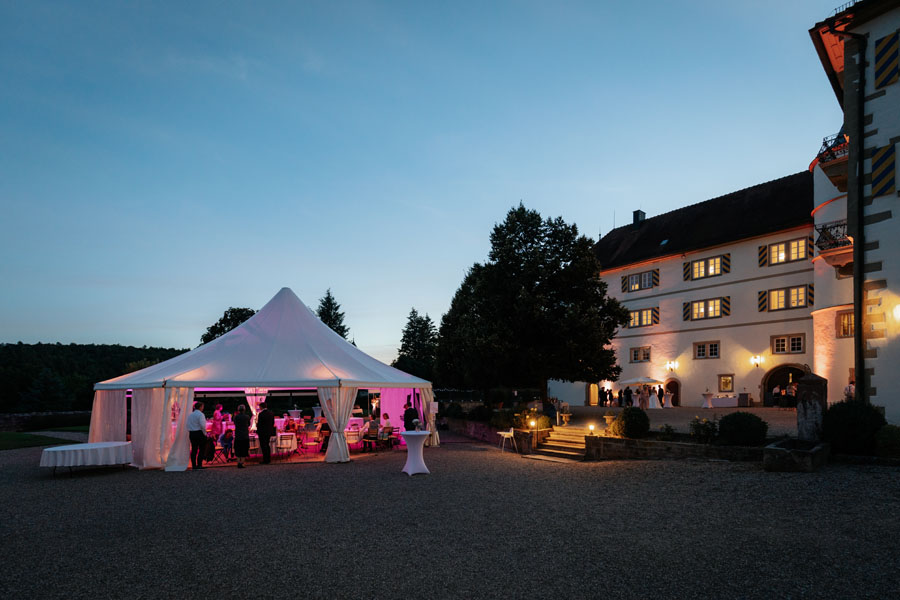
[
  {"x": 608, "y": 448},
  {"x": 39, "y": 420},
  {"x": 486, "y": 433}
]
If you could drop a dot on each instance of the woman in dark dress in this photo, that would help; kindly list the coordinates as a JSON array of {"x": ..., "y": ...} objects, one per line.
[{"x": 241, "y": 435}]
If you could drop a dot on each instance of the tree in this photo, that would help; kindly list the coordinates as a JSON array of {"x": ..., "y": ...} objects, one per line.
[
  {"x": 417, "y": 346},
  {"x": 230, "y": 319},
  {"x": 329, "y": 312},
  {"x": 535, "y": 310},
  {"x": 47, "y": 392}
]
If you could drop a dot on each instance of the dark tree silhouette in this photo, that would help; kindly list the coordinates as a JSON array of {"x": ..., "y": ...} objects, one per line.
[
  {"x": 329, "y": 312},
  {"x": 231, "y": 319}
]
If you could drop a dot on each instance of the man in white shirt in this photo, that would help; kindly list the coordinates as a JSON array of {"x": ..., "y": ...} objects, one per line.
[
  {"x": 196, "y": 425},
  {"x": 850, "y": 391}
]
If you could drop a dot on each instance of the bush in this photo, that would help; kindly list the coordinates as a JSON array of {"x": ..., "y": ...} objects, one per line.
[
  {"x": 53, "y": 421},
  {"x": 453, "y": 411},
  {"x": 888, "y": 441},
  {"x": 480, "y": 413},
  {"x": 742, "y": 429},
  {"x": 523, "y": 421},
  {"x": 704, "y": 429},
  {"x": 851, "y": 427},
  {"x": 632, "y": 423},
  {"x": 502, "y": 419}
]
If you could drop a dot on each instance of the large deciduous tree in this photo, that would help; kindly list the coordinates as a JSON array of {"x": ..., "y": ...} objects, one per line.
[
  {"x": 231, "y": 319},
  {"x": 417, "y": 346},
  {"x": 330, "y": 313},
  {"x": 535, "y": 310}
]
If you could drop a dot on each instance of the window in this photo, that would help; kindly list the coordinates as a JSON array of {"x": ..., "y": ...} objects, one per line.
[
  {"x": 792, "y": 297},
  {"x": 726, "y": 383},
  {"x": 845, "y": 327},
  {"x": 794, "y": 343},
  {"x": 640, "y": 281},
  {"x": 641, "y": 318},
  {"x": 706, "y": 309},
  {"x": 706, "y": 350},
  {"x": 706, "y": 267},
  {"x": 641, "y": 354},
  {"x": 787, "y": 251}
]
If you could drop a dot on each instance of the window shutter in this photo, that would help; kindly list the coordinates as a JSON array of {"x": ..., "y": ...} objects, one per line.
[
  {"x": 624, "y": 283},
  {"x": 883, "y": 171},
  {"x": 810, "y": 295},
  {"x": 655, "y": 277},
  {"x": 886, "y": 64},
  {"x": 686, "y": 268},
  {"x": 686, "y": 311},
  {"x": 726, "y": 263},
  {"x": 763, "y": 301},
  {"x": 763, "y": 256},
  {"x": 655, "y": 314},
  {"x": 809, "y": 247},
  {"x": 726, "y": 306}
]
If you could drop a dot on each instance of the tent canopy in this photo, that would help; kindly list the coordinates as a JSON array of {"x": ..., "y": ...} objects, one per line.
[{"x": 283, "y": 345}]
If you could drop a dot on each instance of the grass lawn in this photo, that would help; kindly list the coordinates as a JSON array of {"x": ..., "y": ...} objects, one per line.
[
  {"x": 75, "y": 428},
  {"x": 11, "y": 440}
]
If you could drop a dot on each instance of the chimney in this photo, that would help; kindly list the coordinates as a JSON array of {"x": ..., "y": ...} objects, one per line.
[{"x": 638, "y": 217}]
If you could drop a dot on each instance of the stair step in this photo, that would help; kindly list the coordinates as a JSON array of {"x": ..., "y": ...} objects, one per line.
[
  {"x": 560, "y": 453},
  {"x": 562, "y": 445}
]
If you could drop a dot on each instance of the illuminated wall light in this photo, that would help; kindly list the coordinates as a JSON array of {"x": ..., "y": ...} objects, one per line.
[
  {"x": 671, "y": 365},
  {"x": 756, "y": 360}
]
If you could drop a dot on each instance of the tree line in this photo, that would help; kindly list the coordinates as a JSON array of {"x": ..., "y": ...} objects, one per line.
[{"x": 534, "y": 310}]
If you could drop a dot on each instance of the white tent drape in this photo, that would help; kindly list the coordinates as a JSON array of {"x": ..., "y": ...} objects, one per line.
[
  {"x": 177, "y": 455},
  {"x": 434, "y": 439},
  {"x": 108, "y": 416},
  {"x": 255, "y": 395},
  {"x": 146, "y": 421},
  {"x": 337, "y": 405}
]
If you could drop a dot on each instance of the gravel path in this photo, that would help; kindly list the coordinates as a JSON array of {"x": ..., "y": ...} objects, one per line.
[{"x": 482, "y": 525}]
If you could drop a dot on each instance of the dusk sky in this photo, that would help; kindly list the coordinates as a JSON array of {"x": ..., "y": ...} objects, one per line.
[{"x": 162, "y": 161}]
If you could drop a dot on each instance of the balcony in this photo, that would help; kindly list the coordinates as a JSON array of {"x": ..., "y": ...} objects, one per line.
[
  {"x": 835, "y": 246},
  {"x": 832, "y": 157}
]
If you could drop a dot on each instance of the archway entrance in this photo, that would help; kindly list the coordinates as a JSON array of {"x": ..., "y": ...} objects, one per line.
[
  {"x": 781, "y": 376},
  {"x": 673, "y": 386}
]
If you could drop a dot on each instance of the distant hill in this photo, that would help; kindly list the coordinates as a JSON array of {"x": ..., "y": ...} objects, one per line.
[{"x": 38, "y": 377}]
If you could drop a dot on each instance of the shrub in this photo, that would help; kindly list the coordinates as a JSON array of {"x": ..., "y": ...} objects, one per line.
[
  {"x": 523, "y": 421},
  {"x": 632, "y": 423},
  {"x": 851, "y": 427},
  {"x": 481, "y": 412},
  {"x": 453, "y": 411},
  {"x": 704, "y": 429},
  {"x": 502, "y": 419},
  {"x": 742, "y": 429},
  {"x": 888, "y": 440},
  {"x": 666, "y": 432}
]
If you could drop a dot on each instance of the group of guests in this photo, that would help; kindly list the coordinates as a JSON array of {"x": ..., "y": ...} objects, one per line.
[
  {"x": 236, "y": 441},
  {"x": 645, "y": 396}
]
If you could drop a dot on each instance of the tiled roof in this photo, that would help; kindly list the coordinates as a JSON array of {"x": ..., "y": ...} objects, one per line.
[{"x": 759, "y": 210}]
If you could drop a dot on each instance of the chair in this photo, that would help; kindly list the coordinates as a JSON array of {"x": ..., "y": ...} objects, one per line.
[
  {"x": 386, "y": 438},
  {"x": 220, "y": 456},
  {"x": 370, "y": 439},
  {"x": 285, "y": 445},
  {"x": 507, "y": 435},
  {"x": 311, "y": 439}
]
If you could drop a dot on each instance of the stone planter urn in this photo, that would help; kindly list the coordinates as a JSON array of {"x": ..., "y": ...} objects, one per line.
[
  {"x": 565, "y": 418},
  {"x": 609, "y": 419}
]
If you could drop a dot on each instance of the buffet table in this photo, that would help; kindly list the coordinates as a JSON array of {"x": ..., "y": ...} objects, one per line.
[
  {"x": 81, "y": 455},
  {"x": 709, "y": 401}
]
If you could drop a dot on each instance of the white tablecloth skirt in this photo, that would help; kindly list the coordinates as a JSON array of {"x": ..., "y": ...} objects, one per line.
[{"x": 97, "y": 453}]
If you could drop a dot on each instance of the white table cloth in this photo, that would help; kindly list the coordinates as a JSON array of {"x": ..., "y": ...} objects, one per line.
[
  {"x": 254, "y": 442},
  {"x": 725, "y": 402},
  {"x": 707, "y": 400},
  {"x": 96, "y": 453},
  {"x": 415, "y": 441},
  {"x": 668, "y": 400}
]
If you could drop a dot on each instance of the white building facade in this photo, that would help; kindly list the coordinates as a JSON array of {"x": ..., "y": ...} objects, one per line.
[{"x": 722, "y": 318}]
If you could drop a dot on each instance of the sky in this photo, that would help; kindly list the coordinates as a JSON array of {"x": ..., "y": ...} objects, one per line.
[{"x": 163, "y": 161}]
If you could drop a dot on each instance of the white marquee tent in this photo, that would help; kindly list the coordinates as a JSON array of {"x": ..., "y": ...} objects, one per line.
[{"x": 284, "y": 345}]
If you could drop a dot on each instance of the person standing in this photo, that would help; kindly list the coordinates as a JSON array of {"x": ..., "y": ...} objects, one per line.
[
  {"x": 241, "y": 435},
  {"x": 660, "y": 394},
  {"x": 409, "y": 415},
  {"x": 196, "y": 426},
  {"x": 265, "y": 429},
  {"x": 217, "y": 429},
  {"x": 628, "y": 397},
  {"x": 850, "y": 391}
]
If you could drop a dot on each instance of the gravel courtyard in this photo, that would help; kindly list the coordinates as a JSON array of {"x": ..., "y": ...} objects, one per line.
[{"x": 482, "y": 525}]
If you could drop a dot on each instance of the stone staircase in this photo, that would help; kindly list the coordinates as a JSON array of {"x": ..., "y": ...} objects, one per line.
[{"x": 564, "y": 442}]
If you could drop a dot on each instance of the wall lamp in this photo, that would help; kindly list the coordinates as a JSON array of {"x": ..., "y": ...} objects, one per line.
[
  {"x": 671, "y": 365},
  {"x": 756, "y": 360}
]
